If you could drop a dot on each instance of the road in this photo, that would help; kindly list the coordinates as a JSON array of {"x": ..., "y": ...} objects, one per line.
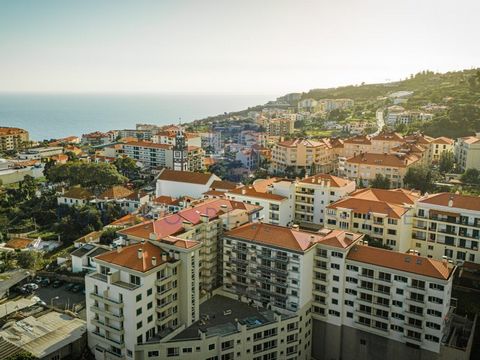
[{"x": 380, "y": 122}]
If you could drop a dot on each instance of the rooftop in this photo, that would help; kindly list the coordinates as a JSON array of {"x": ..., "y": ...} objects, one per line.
[
  {"x": 77, "y": 192},
  {"x": 398, "y": 261},
  {"x": 43, "y": 335},
  {"x": 185, "y": 176},
  {"x": 392, "y": 160},
  {"x": 219, "y": 316},
  {"x": 458, "y": 201},
  {"x": 18, "y": 243},
  {"x": 136, "y": 257},
  {"x": 148, "y": 144},
  {"x": 249, "y": 190},
  {"x": 335, "y": 181},
  {"x": 116, "y": 192}
]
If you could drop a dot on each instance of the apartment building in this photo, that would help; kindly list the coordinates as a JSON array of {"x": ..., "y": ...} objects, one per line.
[
  {"x": 447, "y": 224},
  {"x": 385, "y": 142},
  {"x": 203, "y": 222},
  {"x": 151, "y": 155},
  {"x": 439, "y": 146},
  {"x": 303, "y": 154},
  {"x": 277, "y": 207},
  {"x": 141, "y": 292},
  {"x": 232, "y": 329},
  {"x": 12, "y": 138},
  {"x": 356, "y": 145},
  {"x": 384, "y": 215},
  {"x": 277, "y": 126},
  {"x": 467, "y": 152},
  {"x": 327, "y": 105},
  {"x": 364, "y": 167},
  {"x": 313, "y": 194}
]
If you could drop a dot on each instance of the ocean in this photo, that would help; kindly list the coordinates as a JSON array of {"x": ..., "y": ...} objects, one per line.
[{"x": 47, "y": 116}]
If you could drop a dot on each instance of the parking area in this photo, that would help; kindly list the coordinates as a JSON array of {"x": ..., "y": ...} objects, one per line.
[{"x": 60, "y": 297}]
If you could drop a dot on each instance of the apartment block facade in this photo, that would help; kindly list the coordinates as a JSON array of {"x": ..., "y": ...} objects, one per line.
[
  {"x": 151, "y": 155},
  {"x": 12, "y": 138},
  {"x": 447, "y": 224},
  {"x": 467, "y": 152},
  {"x": 384, "y": 215}
]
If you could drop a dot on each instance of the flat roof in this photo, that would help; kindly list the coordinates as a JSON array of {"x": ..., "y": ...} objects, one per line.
[{"x": 219, "y": 316}]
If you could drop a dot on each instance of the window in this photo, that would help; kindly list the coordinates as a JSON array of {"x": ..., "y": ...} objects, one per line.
[
  {"x": 150, "y": 318},
  {"x": 211, "y": 347},
  {"x": 136, "y": 281},
  {"x": 435, "y": 300},
  {"x": 434, "y": 313},
  {"x": 149, "y": 305},
  {"x": 187, "y": 350},
  {"x": 149, "y": 292},
  {"x": 335, "y": 266},
  {"x": 139, "y": 311},
  {"x": 139, "y": 325},
  {"x": 349, "y": 315},
  {"x": 399, "y": 291},
  {"x": 352, "y": 268},
  {"x": 172, "y": 352},
  {"x": 400, "y": 278},
  {"x": 436, "y": 287},
  {"x": 337, "y": 254},
  {"x": 153, "y": 353},
  {"x": 138, "y": 298}
]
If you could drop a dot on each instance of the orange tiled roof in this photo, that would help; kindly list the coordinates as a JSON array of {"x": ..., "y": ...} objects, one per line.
[
  {"x": 467, "y": 202},
  {"x": 222, "y": 184},
  {"x": 167, "y": 200},
  {"x": 335, "y": 181},
  {"x": 261, "y": 185},
  {"x": 359, "y": 139},
  {"x": 11, "y": 131},
  {"x": 388, "y": 136},
  {"x": 18, "y": 243},
  {"x": 383, "y": 160},
  {"x": 274, "y": 235},
  {"x": 77, "y": 192},
  {"x": 178, "y": 242},
  {"x": 470, "y": 140},
  {"x": 148, "y": 144},
  {"x": 129, "y": 219},
  {"x": 390, "y": 202},
  {"x": 116, "y": 192},
  {"x": 128, "y": 257},
  {"x": 250, "y": 191},
  {"x": 399, "y": 261},
  {"x": 443, "y": 140},
  {"x": 185, "y": 176}
]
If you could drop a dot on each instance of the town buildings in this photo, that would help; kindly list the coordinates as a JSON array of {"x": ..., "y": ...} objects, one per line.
[
  {"x": 384, "y": 215},
  {"x": 447, "y": 224},
  {"x": 276, "y": 126},
  {"x": 467, "y": 152},
  {"x": 12, "y": 139},
  {"x": 149, "y": 154}
]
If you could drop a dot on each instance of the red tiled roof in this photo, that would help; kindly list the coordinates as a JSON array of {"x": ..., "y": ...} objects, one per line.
[
  {"x": 148, "y": 144},
  {"x": 18, "y": 243},
  {"x": 443, "y": 140},
  {"x": 250, "y": 191},
  {"x": 185, "y": 176},
  {"x": 77, "y": 192},
  {"x": 274, "y": 235},
  {"x": 399, "y": 261},
  {"x": 467, "y": 202},
  {"x": 128, "y": 257},
  {"x": 335, "y": 181},
  {"x": 390, "y": 160},
  {"x": 116, "y": 192},
  {"x": 223, "y": 184}
]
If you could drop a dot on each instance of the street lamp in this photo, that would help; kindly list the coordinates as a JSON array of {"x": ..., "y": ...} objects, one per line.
[{"x": 52, "y": 299}]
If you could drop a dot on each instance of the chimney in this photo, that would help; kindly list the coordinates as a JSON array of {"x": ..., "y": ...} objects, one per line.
[
  {"x": 312, "y": 238},
  {"x": 450, "y": 202},
  {"x": 244, "y": 191},
  {"x": 139, "y": 253},
  {"x": 119, "y": 248},
  {"x": 295, "y": 227},
  {"x": 154, "y": 260}
]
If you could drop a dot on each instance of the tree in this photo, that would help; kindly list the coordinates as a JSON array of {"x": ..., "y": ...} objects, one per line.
[
  {"x": 380, "y": 182},
  {"x": 27, "y": 259},
  {"x": 127, "y": 167},
  {"x": 471, "y": 176},
  {"x": 21, "y": 356},
  {"x": 111, "y": 212},
  {"x": 420, "y": 177},
  {"x": 446, "y": 162},
  {"x": 27, "y": 187},
  {"x": 96, "y": 176}
]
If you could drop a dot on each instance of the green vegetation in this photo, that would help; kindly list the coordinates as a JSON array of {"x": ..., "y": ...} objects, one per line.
[
  {"x": 95, "y": 176},
  {"x": 21, "y": 356},
  {"x": 380, "y": 182},
  {"x": 421, "y": 178},
  {"x": 446, "y": 163}
]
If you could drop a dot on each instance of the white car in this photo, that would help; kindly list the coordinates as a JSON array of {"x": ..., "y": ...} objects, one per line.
[{"x": 31, "y": 286}]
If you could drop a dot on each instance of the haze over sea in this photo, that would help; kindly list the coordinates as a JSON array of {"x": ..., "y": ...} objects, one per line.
[{"x": 48, "y": 116}]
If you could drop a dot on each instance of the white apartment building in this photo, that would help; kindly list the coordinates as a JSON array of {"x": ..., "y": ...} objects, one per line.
[
  {"x": 151, "y": 155},
  {"x": 203, "y": 222},
  {"x": 277, "y": 206},
  {"x": 447, "y": 224},
  {"x": 139, "y": 293},
  {"x": 384, "y": 215},
  {"x": 313, "y": 194},
  {"x": 467, "y": 152}
]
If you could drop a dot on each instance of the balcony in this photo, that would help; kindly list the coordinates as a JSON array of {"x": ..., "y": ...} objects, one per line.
[
  {"x": 107, "y": 340},
  {"x": 106, "y": 300},
  {"x": 106, "y": 313},
  {"x": 108, "y": 327}
]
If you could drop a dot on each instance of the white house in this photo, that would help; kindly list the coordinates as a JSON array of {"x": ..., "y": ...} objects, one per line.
[{"x": 183, "y": 183}]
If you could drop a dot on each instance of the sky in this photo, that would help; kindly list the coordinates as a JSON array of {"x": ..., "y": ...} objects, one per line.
[{"x": 229, "y": 46}]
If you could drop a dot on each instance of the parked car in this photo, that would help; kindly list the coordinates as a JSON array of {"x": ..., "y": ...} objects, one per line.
[
  {"x": 69, "y": 286},
  {"x": 31, "y": 286},
  {"x": 76, "y": 288},
  {"x": 38, "y": 280},
  {"x": 45, "y": 282},
  {"x": 57, "y": 283}
]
